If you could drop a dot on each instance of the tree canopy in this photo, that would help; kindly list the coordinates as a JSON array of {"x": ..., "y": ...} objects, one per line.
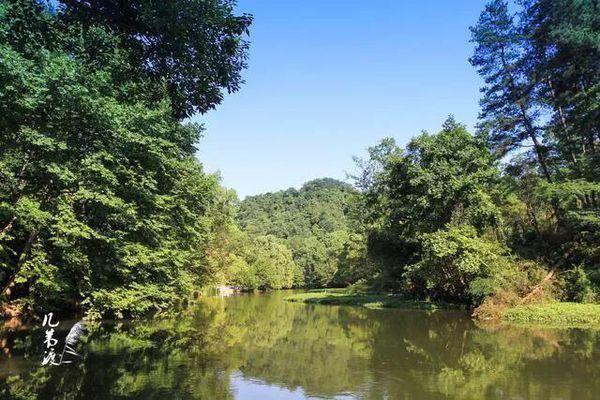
[{"x": 102, "y": 201}]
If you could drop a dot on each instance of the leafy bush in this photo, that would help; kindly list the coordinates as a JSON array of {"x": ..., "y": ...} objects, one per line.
[
  {"x": 577, "y": 286},
  {"x": 458, "y": 265}
]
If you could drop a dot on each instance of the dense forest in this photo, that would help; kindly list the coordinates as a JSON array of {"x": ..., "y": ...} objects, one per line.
[
  {"x": 316, "y": 224},
  {"x": 491, "y": 216},
  {"x": 104, "y": 207}
]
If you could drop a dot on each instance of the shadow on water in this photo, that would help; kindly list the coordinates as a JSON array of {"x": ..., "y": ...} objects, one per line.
[{"x": 261, "y": 347}]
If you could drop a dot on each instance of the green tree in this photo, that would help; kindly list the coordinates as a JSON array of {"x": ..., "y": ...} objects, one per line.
[
  {"x": 439, "y": 181},
  {"x": 102, "y": 201},
  {"x": 562, "y": 53},
  {"x": 193, "y": 48},
  {"x": 272, "y": 260},
  {"x": 456, "y": 264},
  {"x": 508, "y": 108}
]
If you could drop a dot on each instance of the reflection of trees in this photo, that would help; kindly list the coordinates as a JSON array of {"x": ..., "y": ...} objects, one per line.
[
  {"x": 324, "y": 350},
  {"x": 455, "y": 359},
  {"x": 194, "y": 354},
  {"x": 144, "y": 360},
  {"x": 316, "y": 348}
]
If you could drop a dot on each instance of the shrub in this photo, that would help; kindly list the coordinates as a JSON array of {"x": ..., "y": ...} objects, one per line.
[
  {"x": 577, "y": 286},
  {"x": 458, "y": 265}
]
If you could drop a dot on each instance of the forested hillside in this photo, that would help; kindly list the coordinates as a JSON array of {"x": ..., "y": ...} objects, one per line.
[
  {"x": 316, "y": 224},
  {"x": 319, "y": 207}
]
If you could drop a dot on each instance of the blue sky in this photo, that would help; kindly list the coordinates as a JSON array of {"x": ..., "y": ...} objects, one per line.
[{"x": 328, "y": 78}]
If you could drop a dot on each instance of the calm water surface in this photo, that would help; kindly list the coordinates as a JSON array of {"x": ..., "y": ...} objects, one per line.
[{"x": 259, "y": 347}]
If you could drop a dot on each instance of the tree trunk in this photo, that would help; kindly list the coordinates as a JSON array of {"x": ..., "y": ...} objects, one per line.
[
  {"x": 538, "y": 288},
  {"x": 536, "y": 144},
  {"x": 7, "y": 291},
  {"x": 559, "y": 110},
  {"x": 8, "y": 227},
  {"x": 525, "y": 118}
]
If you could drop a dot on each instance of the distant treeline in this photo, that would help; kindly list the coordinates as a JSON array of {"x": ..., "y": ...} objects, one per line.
[{"x": 317, "y": 226}]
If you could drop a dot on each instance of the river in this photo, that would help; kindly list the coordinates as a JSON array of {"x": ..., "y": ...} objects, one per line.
[{"x": 260, "y": 347}]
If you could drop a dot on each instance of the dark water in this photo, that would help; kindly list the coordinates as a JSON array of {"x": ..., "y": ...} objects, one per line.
[{"x": 261, "y": 347}]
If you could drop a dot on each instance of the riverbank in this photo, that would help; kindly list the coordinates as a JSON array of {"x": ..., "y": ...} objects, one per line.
[
  {"x": 554, "y": 314},
  {"x": 342, "y": 297}
]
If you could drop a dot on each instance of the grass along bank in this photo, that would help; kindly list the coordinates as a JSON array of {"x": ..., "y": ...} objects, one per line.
[
  {"x": 561, "y": 314},
  {"x": 343, "y": 297}
]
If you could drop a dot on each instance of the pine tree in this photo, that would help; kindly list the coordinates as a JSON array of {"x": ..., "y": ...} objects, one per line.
[{"x": 508, "y": 107}]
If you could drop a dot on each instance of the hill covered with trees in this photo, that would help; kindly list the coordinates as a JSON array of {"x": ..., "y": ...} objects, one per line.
[{"x": 315, "y": 223}]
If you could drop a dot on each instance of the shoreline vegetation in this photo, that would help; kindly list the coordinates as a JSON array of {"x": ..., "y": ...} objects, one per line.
[
  {"x": 343, "y": 297},
  {"x": 551, "y": 314},
  {"x": 555, "y": 314}
]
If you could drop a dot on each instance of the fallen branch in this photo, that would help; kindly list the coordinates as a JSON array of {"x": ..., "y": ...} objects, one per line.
[{"x": 538, "y": 288}]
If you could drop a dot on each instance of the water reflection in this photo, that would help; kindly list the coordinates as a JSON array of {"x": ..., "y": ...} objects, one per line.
[{"x": 261, "y": 347}]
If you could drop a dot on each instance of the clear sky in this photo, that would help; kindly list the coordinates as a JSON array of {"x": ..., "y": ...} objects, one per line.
[{"x": 328, "y": 78}]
